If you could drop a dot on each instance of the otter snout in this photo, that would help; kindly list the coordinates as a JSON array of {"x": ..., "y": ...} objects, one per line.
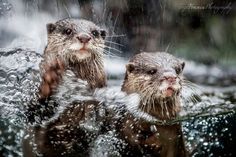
[
  {"x": 170, "y": 84},
  {"x": 80, "y": 50},
  {"x": 169, "y": 77},
  {"x": 83, "y": 38}
]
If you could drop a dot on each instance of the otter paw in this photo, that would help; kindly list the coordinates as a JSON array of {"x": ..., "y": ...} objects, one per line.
[{"x": 51, "y": 78}]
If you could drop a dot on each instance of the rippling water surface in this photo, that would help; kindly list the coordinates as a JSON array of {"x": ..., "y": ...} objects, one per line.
[{"x": 209, "y": 122}]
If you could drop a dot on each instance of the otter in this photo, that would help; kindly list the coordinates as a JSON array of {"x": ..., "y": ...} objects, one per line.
[
  {"x": 141, "y": 118},
  {"x": 77, "y": 46},
  {"x": 157, "y": 78}
]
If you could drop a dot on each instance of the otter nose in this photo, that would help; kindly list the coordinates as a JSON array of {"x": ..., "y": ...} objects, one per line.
[
  {"x": 170, "y": 77},
  {"x": 83, "y": 38}
]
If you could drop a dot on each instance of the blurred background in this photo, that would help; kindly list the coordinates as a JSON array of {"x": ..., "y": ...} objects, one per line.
[{"x": 202, "y": 32}]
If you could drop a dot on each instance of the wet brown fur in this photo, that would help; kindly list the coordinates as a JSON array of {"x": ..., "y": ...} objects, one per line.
[
  {"x": 163, "y": 140},
  {"x": 64, "y": 136},
  {"x": 50, "y": 140},
  {"x": 56, "y": 58}
]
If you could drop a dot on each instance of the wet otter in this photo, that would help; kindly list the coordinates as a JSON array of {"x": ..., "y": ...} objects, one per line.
[
  {"x": 75, "y": 46},
  {"x": 157, "y": 78}
]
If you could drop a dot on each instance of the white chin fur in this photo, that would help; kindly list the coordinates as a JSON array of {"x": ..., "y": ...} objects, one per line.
[
  {"x": 75, "y": 46},
  {"x": 165, "y": 85},
  {"x": 83, "y": 54},
  {"x": 76, "y": 50}
]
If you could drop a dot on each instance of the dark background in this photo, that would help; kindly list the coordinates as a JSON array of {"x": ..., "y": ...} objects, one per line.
[{"x": 202, "y": 30}]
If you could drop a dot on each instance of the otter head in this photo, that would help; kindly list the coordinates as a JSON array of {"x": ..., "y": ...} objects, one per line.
[
  {"x": 157, "y": 78},
  {"x": 75, "y": 40}
]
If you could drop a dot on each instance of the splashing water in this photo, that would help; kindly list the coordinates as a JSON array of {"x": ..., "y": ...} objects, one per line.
[
  {"x": 19, "y": 79},
  {"x": 18, "y": 75}
]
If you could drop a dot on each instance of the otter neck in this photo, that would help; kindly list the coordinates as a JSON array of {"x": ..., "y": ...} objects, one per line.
[
  {"x": 161, "y": 108},
  {"x": 92, "y": 71}
]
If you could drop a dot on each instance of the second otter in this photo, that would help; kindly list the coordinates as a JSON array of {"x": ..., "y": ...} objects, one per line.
[
  {"x": 157, "y": 78},
  {"x": 140, "y": 121}
]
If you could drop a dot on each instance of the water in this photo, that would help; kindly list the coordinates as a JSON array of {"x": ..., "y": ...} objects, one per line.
[
  {"x": 208, "y": 123},
  {"x": 17, "y": 68}
]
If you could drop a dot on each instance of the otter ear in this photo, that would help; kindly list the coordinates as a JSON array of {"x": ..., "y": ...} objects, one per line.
[
  {"x": 50, "y": 27},
  {"x": 130, "y": 67},
  {"x": 182, "y": 65}
]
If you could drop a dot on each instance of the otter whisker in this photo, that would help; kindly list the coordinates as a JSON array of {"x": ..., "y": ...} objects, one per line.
[
  {"x": 174, "y": 108},
  {"x": 149, "y": 106},
  {"x": 145, "y": 99},
  {"x": 194, "y": 100},
  {"x": 112, "y": 48},
  {"x": 153, "y": 102},
  {"x": 102, "y": 48},
  {"x": 112, "y": 42},
  {"x": 121, "y": 35},
  {"x": 193, "y": 85},
  {"x": 192, "y": 97},
  {"x": 115, "y": 23},
  {"x": 162, "y": 108},
  {"x": 109, "y": 54},
  {"x": 190, "y": 86},
  {"x": 148, "y": 98},
  {"x": 167, "y": 111}
]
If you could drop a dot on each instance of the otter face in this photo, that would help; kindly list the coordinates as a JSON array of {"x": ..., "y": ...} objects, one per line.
[
  {"x": 75, "y": 40},
  {"x": 154, "y": 76}
]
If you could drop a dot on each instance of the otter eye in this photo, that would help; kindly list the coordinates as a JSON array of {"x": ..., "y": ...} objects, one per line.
[
  {"x": 95, "y": 33},
  {"x": 68, "y": 31},
  {"x": 103, "y": 34},
  {"x": 152, "y": 72}
]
